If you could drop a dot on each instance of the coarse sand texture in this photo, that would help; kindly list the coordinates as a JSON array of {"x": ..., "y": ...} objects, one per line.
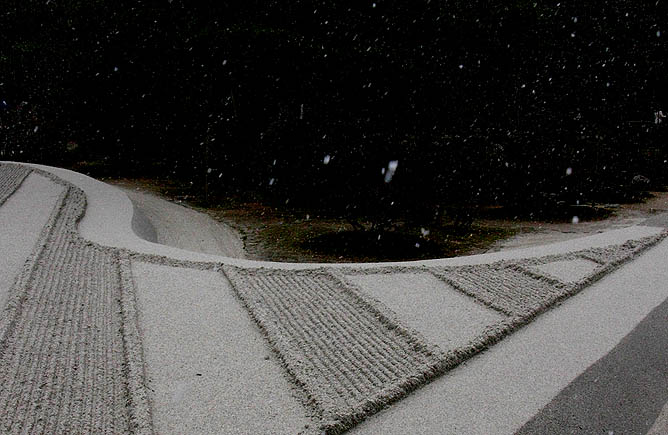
[
  {"x": 352, "y": 355},
  {"x": 11, "y": 177},
  {"x": 62, "y": 362},
  {"x": 22, "y": 218},
  {"x": 99, "y": 339},
  {"x": 348, "y": 357}
]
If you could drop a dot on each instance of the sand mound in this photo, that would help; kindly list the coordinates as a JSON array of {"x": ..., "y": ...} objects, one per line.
[{"x": 71, "y": 352}]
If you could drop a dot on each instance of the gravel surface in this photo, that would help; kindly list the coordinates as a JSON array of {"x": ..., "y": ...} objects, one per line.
[
  {"x": 208, "y": 368},
  {"x": 22, "y": 219},
  {"x": 105, "y": 333},
  {"x": 62, "y": 361},
  {"x": 11, "y": 177},
  {"x": 178, "y": 226}
]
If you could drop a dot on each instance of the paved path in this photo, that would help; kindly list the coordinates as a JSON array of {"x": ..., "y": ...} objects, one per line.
[{"x": 103, "y": 331}]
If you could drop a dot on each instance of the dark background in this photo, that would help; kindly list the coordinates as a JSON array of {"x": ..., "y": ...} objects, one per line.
[{"x": 480, "y": 102}]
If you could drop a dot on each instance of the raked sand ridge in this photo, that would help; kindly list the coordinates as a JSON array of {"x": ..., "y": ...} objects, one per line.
[{"x": 104, "y": 332}]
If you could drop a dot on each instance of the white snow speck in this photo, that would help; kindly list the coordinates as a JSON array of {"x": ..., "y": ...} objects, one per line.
[
  {"x": 35, "y": 130},
  {"x": 575, "y": 220},
  {"x": 115, "y": 69},
  {"x": 391, "y": 169},
  {"x": 271, "y": 182},
  {"x": 569, "y": 171},
  {"x": 424, "y": 231},
  {"x": 326, "y": 159}
]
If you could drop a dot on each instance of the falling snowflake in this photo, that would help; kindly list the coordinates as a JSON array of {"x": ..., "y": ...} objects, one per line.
[{"x": 391, "y": 169}]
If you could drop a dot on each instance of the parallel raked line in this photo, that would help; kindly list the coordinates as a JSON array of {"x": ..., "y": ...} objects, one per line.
[
  {"x": 11, "y": 178},
  {"x": 517, "y": 290},
  {"x": 70, "y": 352},
  {"x": 69, "y": 309},
  {"x": 347, "y": 360}
]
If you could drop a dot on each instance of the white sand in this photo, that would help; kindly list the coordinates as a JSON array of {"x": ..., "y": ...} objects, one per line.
[
  {"x": 568, "y": 270},
  {"x": 208, "y": 366},
  {"x": 191, "y": 322},
  {"x": 22, "y": 217},
  {"x": 660, "y": 426},
  {"x": 183, "y": 228},
  {"x": 497, "y": 391},
  {"x": 441, "y": 314},
  {"x": 108, "y": 221}
]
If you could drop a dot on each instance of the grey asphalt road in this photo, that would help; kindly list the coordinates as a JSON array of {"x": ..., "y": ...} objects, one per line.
[{"x": 622, "y": 393}]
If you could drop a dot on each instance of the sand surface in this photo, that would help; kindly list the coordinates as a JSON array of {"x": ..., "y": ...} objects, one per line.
[
  {"x": 207, "y": 366},
  {"x": 443, "y": 315},
  {"x": 181, "y": 227},
  {"x": 106, "y": 331},
  {"x": 22, "y": 219},
  {"x": 500, "y": 389}
]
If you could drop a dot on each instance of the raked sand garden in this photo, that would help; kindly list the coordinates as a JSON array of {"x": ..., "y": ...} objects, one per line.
[{"x": 104, "y": 331}]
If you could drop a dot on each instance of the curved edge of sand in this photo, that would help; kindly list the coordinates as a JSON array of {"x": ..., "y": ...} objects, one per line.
[
  {"x": 109, "y": 216},
  {"x": 169, "y": 223}
]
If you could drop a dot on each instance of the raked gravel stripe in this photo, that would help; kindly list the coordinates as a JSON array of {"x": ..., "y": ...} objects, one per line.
[
  {"x": 11, "y": 177},
  {"x": 22, "y": 217},
  {"x": 521, "y": 289},
  {"x": 500, "y": 287},
  {"x": 62, "y": 356},
  {"x": 348, "y": 357},
  {"x": 70, "y": 357}
]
